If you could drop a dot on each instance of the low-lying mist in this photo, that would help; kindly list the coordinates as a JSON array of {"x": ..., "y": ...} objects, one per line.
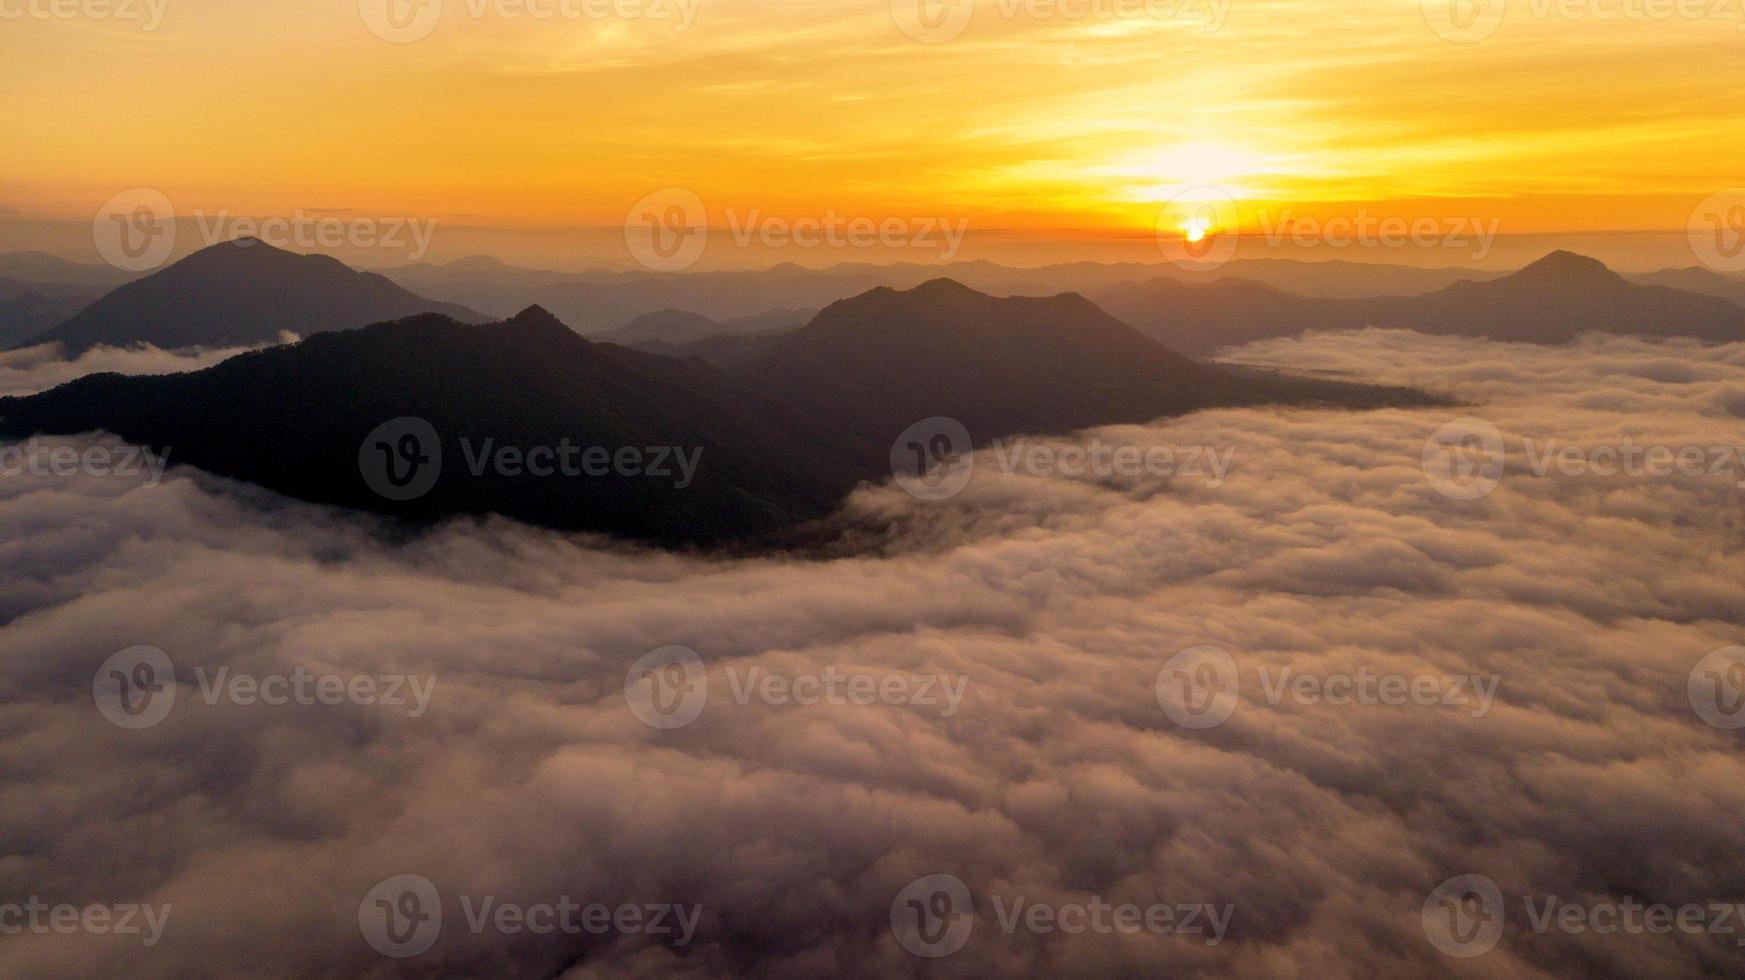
[{"x": 1017, "y": 735}]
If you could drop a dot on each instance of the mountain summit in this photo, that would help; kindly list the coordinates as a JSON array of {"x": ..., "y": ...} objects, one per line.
[
  {"x": 1552, "y": 301},
  {"x": 237, "y": 294},
  {"x": 775, "y": 443}
]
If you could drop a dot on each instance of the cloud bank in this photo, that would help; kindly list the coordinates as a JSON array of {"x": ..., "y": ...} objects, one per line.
[
  {"x": 1061, "y": 777},
  {"x": 33, "y": 369}
]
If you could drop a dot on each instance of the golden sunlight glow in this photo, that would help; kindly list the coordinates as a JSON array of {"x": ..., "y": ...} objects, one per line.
[{"x": 793, "y": 108}]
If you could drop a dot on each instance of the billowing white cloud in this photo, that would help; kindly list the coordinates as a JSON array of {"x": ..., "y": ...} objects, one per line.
[
  {"x": 33, "y": 369},
  {"x": 1326, "y": 551}
]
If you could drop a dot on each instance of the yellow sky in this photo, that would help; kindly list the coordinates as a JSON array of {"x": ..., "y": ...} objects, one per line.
[{"x": 1560, "y": 120}]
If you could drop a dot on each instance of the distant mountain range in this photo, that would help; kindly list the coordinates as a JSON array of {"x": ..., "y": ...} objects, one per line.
[
  {"x": 783, "y": 437},
  {"x": 39, "y": 291},
  {"x": 30, "y": 308},
  {"x": 1696, "y": 280},
  {"x": 41, "y": 267},
  {"x": 598, "y": 301},
  {"x": 678, "y": 327},
  {"x": 242, "y": 293},
  {"x": 1552, "y": 301}
]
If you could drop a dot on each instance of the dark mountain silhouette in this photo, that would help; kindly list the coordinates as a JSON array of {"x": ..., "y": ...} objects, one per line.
[
  {"x": 880, "y": 361},
  {"x": 673, "y": 328},
  {"x": 666, "y": 327},
  {"x": 29, "y": 308},
  {"x": 1552, "y": 301},
  {"x": 241, "y": 293},
  {"x": 783, "y": 437},
  {"x": 41, "y": 267},
  {"x": 1696, "y": 280},
  {"x": 294, "y": 419},
  {"x": 479, "y": 282},
  {"x": 597, "y": 300}
]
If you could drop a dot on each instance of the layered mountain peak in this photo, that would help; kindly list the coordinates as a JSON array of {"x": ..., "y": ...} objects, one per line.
[
  {"x": 536, "y": 317},
  {"x": 242, "y": 293},
  {"x": 1569, "y": 267}
]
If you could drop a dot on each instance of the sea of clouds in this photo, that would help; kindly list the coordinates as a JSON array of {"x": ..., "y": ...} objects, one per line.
[{"x": 1060, "y": 778}]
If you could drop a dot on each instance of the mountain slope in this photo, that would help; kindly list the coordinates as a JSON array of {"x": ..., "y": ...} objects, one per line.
[
  {"x": 783, "y": 438},
  {"x": 1552, "y": 301},
  {"x": 1697, "y": 280},
  {"x": 669, "y": 329},
  {"x": 41, "y": 267},
  {"x": 881, "y": 361},
  {"x": 29, "y": 308},
  {"x": 296, "y": 418},
  {"x": 241, "y": 293}
]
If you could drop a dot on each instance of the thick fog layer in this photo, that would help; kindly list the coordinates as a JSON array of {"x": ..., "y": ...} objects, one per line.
[{"x": 1407, "y": 661}]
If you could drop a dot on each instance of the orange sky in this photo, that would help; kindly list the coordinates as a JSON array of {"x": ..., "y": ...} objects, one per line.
[{"x": 1032, "y": 117}]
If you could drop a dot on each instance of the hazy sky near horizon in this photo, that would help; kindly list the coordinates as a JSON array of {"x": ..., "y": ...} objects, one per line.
[{"x": 1049, "y": 117}]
